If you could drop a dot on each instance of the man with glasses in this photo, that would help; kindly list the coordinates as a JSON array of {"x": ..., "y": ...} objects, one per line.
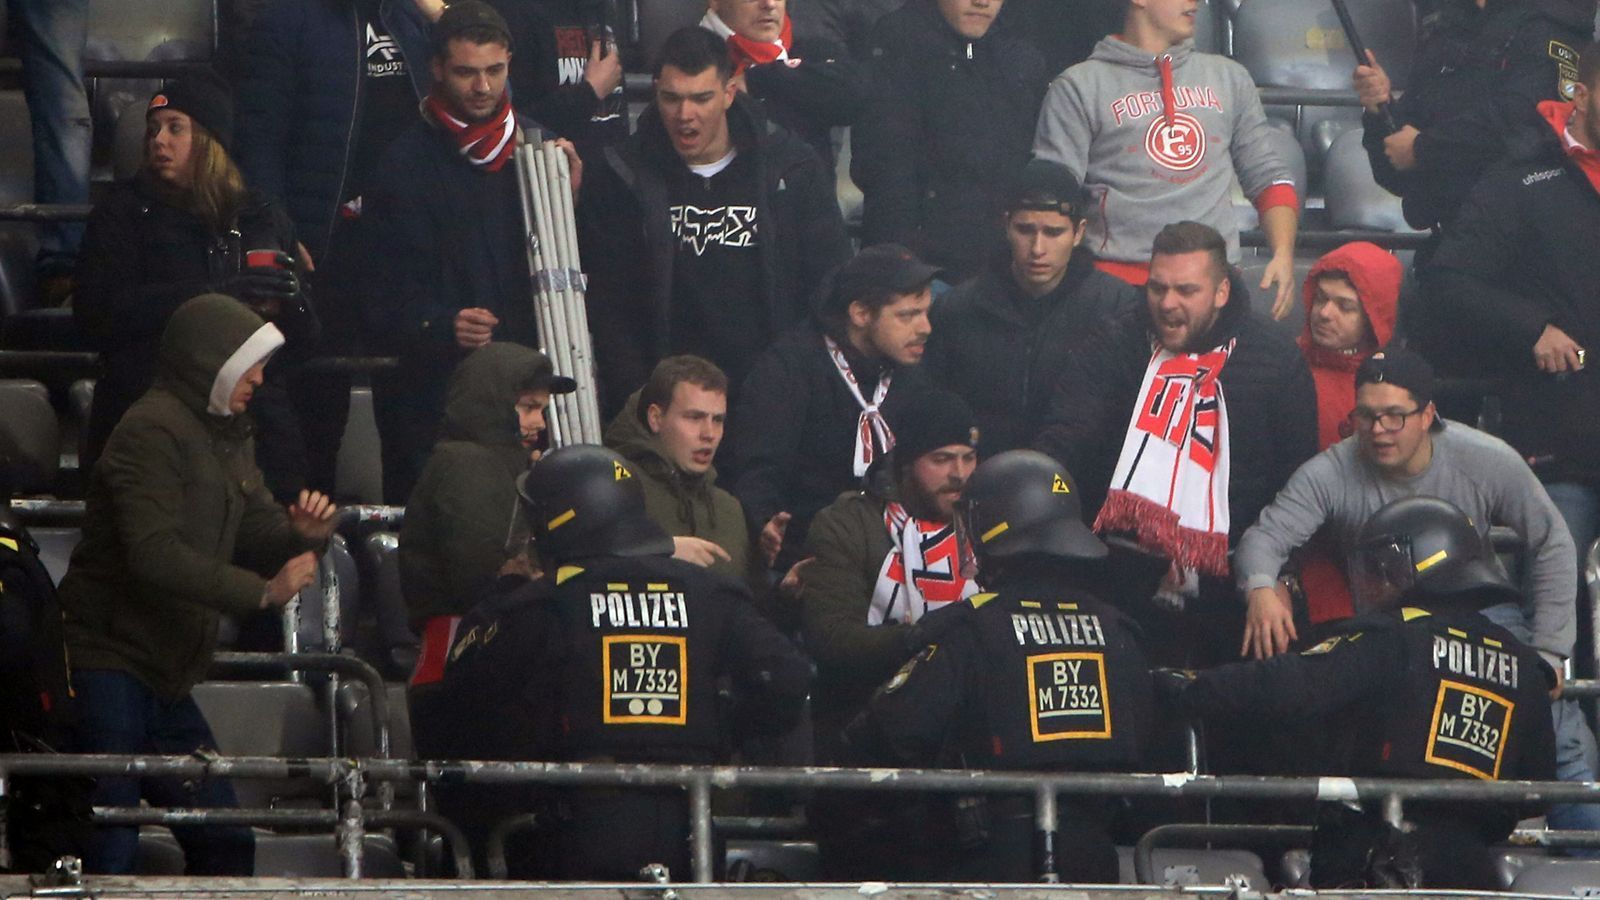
[{"x": 1401, "y": 447}]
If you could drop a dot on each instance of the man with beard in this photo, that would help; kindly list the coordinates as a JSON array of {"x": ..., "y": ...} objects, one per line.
[
  {"x": 1215, "y": 409},
  {"x": 813, "y": 415}
]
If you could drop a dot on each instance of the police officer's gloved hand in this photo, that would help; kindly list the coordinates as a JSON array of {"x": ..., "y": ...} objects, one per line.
[{"x": 1171, "y": 683}]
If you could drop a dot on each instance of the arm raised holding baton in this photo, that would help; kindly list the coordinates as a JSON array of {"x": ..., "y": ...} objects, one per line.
[{"x": 1372, "y": 87}]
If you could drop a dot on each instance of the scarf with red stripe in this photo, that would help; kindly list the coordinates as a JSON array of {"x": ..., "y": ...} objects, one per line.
[
  {"x": 487, "y": 144},
  {"x": 746, "y": 52},
  {"x": 922, "y": 571},
  {"x": 872, "y": 429},
  {"x": 1171, "y": 481}
]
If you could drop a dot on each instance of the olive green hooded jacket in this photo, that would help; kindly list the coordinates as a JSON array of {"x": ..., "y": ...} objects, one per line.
[{"x": 178, "y": 527}]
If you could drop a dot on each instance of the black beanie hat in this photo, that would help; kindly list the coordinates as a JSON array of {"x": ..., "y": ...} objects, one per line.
[
  {"x": 929, "y": 419},
  {"x": 203, "y": 99}
]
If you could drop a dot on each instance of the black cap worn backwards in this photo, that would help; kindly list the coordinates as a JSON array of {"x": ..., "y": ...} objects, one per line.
[
  {"x": 1401, "y": 368},
  {"x": 1047, "y": 186}
]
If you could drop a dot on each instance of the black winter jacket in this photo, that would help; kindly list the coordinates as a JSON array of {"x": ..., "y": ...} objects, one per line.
[
  {"x": 628, "y": 247},
  {"x": 825, "y": 88},
  {"x": 950, "y": 121},
  {"x": 796, "y": 431},
  {"x": 1272, "y": 405},
  {"x": 1003, "y": 352},
  {"x": 1523, "y": 255},
  {"x": 298, "y": 92},
  {"x": 1475, "y": 80},
  {"x": 547, "y": 83}
]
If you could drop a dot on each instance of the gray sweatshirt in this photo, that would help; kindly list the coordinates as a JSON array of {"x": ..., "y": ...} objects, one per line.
[
  {"x": 1105, "y": 119},
  {"x": 1477, "y": 472}
]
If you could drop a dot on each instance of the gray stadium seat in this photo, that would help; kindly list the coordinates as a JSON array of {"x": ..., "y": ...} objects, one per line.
[
  {"x": 1283, "y": 142},
  {"x": 359, "y": 475},
  {"x": 1298, "y": 43},
  {"x": 1252, "y": 270},
  {"x": 55, "y": 548},
  {"x": 1354, "y": 200},
  {"x": 1176, "y": 867},
  {"x": 360, "y": 739},
  {"x": 271, "y": 718},
  {"x": 312, "y": 638},
  {"x": 30, "y": 438},
  {"x": 396, "y": 646},
  {"x": 1560, "y": 877},
  {"x": 278, "y": 855},
  {"x": 140, "y": 29},
  {"x": 769, "y": 861},
  {"x": 1210, "y": 28}
]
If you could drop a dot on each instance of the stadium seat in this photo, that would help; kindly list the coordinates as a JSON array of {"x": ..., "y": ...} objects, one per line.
[
  {"x": 360, "y": 739},
  {"x": 311, "y": 633},
  {"x": 278, "y": 855},
  {"x": 55, "y": 548},
  {"x": 1210, "y": 28},
  {"x": 268, "y": 718},
  {"x": 30, "y": 438},
  {"x": 1298, "y": 43},
  {"x": 1354, "y": 200},
  {"x": 1178, "y": 868},
  {"x": 1281, "y": 137},
  {"x": 139, "y": 29},
  {"x": 1559, "y": 877},
  {"x": 768, "y": 861},
  {"x": 1261, "y": 301},
  {"x": 359, "y": 476}
]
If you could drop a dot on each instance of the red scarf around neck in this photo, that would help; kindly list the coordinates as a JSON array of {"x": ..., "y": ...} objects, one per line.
[
  {"x": 487, "y": 144},
  {"x": 746, "y": 52}
]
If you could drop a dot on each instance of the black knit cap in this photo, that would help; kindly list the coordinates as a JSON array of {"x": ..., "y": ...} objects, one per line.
[
  {"x": 930, "y": 418},
  {"x": 1047, "y": 187},
  {"x": 203, "y": 98},
  {"x": 1401, "y": 368},
  {"x": 463, "y": 16}
]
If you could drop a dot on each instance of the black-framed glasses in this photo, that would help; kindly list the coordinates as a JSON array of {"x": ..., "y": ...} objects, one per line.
[{"x": 1388, "y": 420}]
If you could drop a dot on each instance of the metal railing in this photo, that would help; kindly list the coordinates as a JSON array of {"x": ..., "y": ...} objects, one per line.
[{"x": 352, "y": 775}]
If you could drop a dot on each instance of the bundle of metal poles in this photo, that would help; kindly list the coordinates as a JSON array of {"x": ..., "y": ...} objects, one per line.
[{"x": 544, "y": 178}]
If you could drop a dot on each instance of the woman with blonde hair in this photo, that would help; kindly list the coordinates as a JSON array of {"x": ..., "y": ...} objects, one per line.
[{"x": 187, "y": 225}]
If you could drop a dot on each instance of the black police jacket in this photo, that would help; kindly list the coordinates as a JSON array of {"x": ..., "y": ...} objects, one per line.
[
  {"x": 1413, "y": 692},
  {"x": 616, "y": 658},
  {"x": 1475, "y": 80},
  {"x": 1034, "y": 677}
]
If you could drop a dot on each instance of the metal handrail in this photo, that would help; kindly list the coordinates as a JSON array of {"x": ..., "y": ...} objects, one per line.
[{"x": 700, "y": 780}]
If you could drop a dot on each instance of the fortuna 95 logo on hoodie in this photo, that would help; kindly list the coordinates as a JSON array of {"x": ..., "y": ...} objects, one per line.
[{"x": 1179, "y": 146}]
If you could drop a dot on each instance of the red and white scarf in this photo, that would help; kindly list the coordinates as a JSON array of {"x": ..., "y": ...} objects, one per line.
[
  {"x": 746, "y": 52},
  {"x": 1171, "y": 481},
  {"x": 488, "y": 143},
  {"x": 921, "y": 571},
  {"x": 872, "y": 429}
]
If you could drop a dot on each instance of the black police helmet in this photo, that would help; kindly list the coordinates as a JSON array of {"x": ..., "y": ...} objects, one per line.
[
  {"x": 1023, "y": 502},
  {"x": 585, "y": 501},
  {"x": 1420, "y": 547}
]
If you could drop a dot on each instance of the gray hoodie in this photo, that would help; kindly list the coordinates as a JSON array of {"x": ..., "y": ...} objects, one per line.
[{"x": 1106, "y": 119}]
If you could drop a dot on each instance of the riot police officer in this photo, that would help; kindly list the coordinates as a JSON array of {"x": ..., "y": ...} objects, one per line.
[
  {"x": 1039, "y": 674},
  {"x": 615, "y": 654},
  {"x": 1417, "y": 685}
]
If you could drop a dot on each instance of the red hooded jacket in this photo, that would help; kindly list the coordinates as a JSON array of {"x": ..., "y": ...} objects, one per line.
[{"x": 1376, "y": 274}]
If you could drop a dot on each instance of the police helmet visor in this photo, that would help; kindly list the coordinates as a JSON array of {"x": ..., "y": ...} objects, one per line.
[{"x": 1382, "y": 570}]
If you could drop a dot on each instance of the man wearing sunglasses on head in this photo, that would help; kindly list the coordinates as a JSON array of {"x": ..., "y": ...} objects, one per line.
[{"x": 1401, "y": 447}]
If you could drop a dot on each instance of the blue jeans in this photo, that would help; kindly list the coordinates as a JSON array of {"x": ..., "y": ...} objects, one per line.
[
  {"x": 51, "y": 35},
  {"x": 1575, "y": 745},
  {"x": 118, "y": 714}
]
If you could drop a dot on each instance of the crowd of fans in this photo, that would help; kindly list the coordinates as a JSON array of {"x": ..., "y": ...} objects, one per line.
[{"x": 1049, "y": 260}]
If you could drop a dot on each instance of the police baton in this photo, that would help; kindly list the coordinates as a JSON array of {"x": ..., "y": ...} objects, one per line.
[{"x": 1353, "y": 38}]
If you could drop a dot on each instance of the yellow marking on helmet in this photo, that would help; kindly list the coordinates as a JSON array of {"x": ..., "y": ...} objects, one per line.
[
  {"x": 1432, "y": 561},
  {"x": 620, "y": 471},
  {"x": 994, "y": 532},
  {"x": 1059, "y": 486},
  {"x": 616, "y": 585},
  {"x": 1066, "y": 606},
  {"x": 1493, "y": 643},
  {"x": 561, "y": 520},
  {"x": 566, "y": 572},
  {"x": 978, "y": 600},
  {"x": 8, "y": 542},
  {"x": 1456, "y": 632},
  {"x": 658, "y": 586},
  {"x": 1032, "y": 604},
  {"x": 1411, "y": 612}
]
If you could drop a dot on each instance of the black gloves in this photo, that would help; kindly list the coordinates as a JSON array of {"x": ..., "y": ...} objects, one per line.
[{"x": 265, "y": 284}]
